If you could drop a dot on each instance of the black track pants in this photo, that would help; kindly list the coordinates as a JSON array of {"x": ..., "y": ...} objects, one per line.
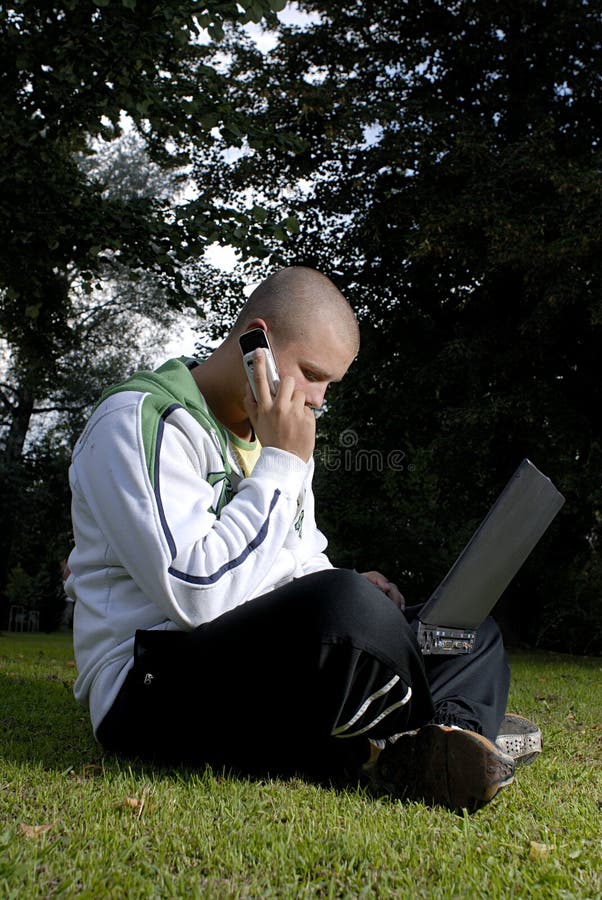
[{"x": 297, "y": 680}]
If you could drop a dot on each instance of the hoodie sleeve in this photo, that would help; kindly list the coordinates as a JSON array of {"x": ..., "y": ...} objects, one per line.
[{"x": 160, "y": 526}]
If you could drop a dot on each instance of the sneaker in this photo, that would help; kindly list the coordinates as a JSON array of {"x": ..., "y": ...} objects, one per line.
[
  {"x": 520, "y": 739},
  {"x": 443, "y": 766}
]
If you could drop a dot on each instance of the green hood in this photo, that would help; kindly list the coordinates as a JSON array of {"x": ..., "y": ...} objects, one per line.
[{"x": 172, "y": 383}]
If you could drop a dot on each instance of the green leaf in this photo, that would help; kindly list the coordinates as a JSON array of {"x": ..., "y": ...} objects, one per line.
[
  {"x": 259, "y": 214},
  {"x": 181, "y": 37},
  {"x": 216, "y": 31},
  {"x": 256, "y": 12},
  {"x": 292, "y": 225},
  {"x": 129, "y": 4},
  {"x": 231, "y": 137},
  {"x": 209, "y": 121}
]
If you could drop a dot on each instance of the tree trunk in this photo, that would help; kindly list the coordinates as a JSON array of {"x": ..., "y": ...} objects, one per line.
[{"x": 12, "y": 475}]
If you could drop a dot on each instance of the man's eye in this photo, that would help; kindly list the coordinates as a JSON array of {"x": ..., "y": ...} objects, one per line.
[{"x": 309, "y": 376}]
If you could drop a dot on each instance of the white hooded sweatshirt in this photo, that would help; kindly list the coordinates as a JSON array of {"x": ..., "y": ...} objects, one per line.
[{"x": 169, "y": 534}]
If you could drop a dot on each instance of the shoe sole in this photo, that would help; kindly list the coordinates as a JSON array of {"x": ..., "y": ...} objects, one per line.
[
  {"x": 520, "y": 738},
  {"x": 445, "y": 767}
]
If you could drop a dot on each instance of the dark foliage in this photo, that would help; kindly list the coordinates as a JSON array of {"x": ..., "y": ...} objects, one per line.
[
  {"x": 450, "y": 183},
  {"x": 69, "y": 72}
]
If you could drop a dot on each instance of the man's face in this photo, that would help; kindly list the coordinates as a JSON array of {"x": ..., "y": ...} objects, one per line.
[{"x": 316, "y": 358}]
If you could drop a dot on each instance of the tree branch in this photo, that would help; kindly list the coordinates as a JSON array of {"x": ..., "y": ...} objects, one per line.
[
  {"x": 77, "y": 408},
  {"x": 4, "y": 398}
]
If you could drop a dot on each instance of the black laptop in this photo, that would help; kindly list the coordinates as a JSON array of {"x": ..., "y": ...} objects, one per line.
[{"x": 490, "y": 560}]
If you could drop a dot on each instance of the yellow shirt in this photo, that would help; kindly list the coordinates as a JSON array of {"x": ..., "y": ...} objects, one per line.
[{"x": 246, "y": 452}]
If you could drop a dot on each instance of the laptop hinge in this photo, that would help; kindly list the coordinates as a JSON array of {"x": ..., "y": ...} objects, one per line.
[{"x": 434, "y": 639}]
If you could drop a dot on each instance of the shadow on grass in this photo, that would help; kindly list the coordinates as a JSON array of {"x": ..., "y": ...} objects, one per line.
[{"x": 41, "y": 724}]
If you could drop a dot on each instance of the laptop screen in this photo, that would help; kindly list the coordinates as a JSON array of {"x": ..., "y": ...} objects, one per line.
[{"x": 495, "y": 552}]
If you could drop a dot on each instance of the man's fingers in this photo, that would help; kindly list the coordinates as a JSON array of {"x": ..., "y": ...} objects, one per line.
[
  {"x": 260, "y": 377},
  {"x": 387, "y": 587},
  {"x": 396, "y": 596}
]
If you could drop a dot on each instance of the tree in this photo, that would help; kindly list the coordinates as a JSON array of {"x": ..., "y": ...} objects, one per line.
[
  {"x": 70, "y": 71},
  {"x": 450, "y": 182}
]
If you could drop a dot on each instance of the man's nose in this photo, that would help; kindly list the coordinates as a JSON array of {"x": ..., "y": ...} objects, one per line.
[{"x": 315, "y": 397}]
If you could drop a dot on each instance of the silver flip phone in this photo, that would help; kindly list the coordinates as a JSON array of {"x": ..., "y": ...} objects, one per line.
[{"x": 249, "y": 342}]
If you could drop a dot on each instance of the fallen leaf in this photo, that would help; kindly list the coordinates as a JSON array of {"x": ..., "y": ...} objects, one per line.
[
  {"x": 136, "y": 804},
  {"x": 537, "y": 850},
  {"x": 33, "y": 831},
  {"x": 88, "y": 771},
  {"x": 71, "y": 664}
]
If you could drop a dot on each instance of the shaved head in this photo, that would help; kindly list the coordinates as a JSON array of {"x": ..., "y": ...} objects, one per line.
[{"x": 293, "y": 300}]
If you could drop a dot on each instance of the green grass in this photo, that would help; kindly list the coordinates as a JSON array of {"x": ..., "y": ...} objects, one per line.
[{"x": 135, "y": 831}]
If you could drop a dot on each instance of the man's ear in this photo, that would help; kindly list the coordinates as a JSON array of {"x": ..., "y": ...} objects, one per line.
[{"x": 258, "y": 323}]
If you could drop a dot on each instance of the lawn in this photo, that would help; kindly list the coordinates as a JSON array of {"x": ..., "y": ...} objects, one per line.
[{"x": 76, "y": 823}]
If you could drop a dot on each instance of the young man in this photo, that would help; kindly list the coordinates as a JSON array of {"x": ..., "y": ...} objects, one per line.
[{"x": 210, "y": 625}]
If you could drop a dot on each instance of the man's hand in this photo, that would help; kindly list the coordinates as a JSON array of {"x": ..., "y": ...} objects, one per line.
[
  {"x": 283, "y": 421},
  {"x": 387, "y": 587}
]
